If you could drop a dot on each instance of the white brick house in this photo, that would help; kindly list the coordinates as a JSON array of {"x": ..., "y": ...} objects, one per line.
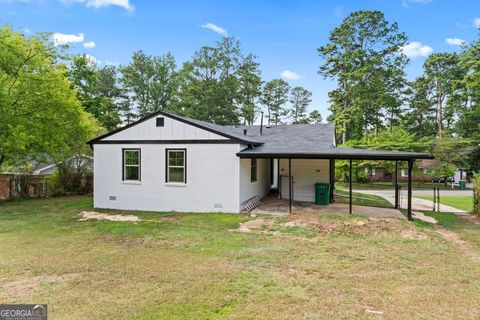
[{"x": 166, "y": 162}]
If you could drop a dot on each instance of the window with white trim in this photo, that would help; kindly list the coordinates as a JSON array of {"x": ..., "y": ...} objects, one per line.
[
  {"x": 370, "y": 171},
  {"x": 253, "y": 170},
  {"x": 404, "y": 173},
  {"x": 176, "y": 166},
  {"x": 131, "y": 165}
]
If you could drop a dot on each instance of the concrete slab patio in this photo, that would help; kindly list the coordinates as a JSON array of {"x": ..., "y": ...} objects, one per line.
[{"x": 274, "y": 206}]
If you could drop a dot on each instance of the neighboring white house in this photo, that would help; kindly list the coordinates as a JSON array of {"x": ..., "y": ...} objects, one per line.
[
  {"x": 41, "y": 169},
  {"x": 166, "y": 162}
]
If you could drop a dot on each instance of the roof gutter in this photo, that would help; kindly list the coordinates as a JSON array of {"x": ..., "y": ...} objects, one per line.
[{"x": 337, "y": 156}]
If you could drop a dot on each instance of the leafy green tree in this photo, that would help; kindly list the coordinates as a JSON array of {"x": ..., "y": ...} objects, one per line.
[
  {"x": 466, "y": 93},
  {"x": 249, "y": 89},
  {"x": 420, "y": 117},
  {"x": 476, "y": 193},
  {"x": 98, "y": 90},
  {"x": 274, "y": 97},
  {"x": 117, "y": 100},
  {"x": 450, "y": 150},
  {"x": 41, "y": 116},
  {"x": 300, "y": 99},
  {"x": 395, "y": 139},
  {"x": 315, "y": 117},
  {"x": 440, "y": 71},
  {"x": 364, "y": 56},
  {"x": 152, "y": 81},
  {"x": 444, "y": 170},
  {"x": 220, "y": 84}
]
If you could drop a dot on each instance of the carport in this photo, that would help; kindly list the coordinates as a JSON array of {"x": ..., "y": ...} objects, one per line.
[{"x": 316, "y": 151}]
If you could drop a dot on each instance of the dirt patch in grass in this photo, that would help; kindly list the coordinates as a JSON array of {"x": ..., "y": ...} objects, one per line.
[
  {"x": 473, "y": 218},
  {"x": 24, "y": 288},
  {"x": 301, "y": 226},
  {"x": 372, "y": 226},
  {"x": 92, "y": 215},
  {"x": 421, "y": 216},
  {"x": 256, "y": 224},
  {"x": 171, "y": 218},
  {"x": 455, "y": 238},
  {"x": 413, "y": 235}
]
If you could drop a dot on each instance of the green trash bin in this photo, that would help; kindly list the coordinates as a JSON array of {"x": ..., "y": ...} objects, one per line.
[
  {"x": 322, "y": 193},
  {"x": 462, "y": 184}
]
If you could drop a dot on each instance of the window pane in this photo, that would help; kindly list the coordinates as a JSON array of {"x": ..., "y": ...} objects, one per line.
[
  {"x": 175, "y": 175},
  {"x": 176, "y": 158},
  {"x": 132, "y": 157},
  {"x": 131, "y": 173},
  {"x": 253, "y": 170}
]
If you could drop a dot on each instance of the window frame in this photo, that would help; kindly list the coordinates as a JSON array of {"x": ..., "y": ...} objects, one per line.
[
  {"x": 167, "y": 165},
  {"x": 124, "y": 165},
  {"x": 253, "y": 164},
  {"x": 160, "y": 122}
]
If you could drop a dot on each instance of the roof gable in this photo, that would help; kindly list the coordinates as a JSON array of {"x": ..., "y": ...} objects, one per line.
[{"x": 175, "y": 128}]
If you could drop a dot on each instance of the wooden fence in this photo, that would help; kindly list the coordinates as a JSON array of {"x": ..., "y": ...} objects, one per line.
[{"x": 30, "y": 186}]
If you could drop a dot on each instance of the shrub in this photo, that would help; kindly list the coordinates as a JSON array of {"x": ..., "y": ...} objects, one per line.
[{"x": 476, "y": 193}]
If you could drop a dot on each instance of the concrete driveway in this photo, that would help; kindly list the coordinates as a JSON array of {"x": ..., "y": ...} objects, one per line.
[
  {"x": 417, "y": 203},
  {"x": 279, "y": 207}
]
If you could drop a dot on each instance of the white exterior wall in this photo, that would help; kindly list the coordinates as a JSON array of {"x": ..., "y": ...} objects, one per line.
[
  {"x": 305, "y": 173},
  {"x": 172, "y": 130},
  {"x": 212, "y": 179},
  {"x": 250, "y": 189}
]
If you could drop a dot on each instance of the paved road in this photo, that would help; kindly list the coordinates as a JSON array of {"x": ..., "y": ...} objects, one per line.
[
  {"x": 418, "y": 192},
  {"x": 417, "y": 203}
]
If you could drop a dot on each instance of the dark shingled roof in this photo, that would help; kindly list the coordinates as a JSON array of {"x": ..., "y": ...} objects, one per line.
[
  {"x": 301, "y": 141},
  {"x": 287, "y": 141},
  {"x": 312, "y": 141}
]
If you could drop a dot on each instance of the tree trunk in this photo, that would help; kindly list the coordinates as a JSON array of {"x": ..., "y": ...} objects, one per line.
[{"x": 439, "y": 113}]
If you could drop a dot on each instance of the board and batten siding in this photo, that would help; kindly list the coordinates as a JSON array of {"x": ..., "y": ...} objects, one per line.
[
  {"x": 212, "y": 179},
  {"x": 305, "y": 173},
  {"x": 172, "y": 130},
  {"x": 259, "y": 188}
]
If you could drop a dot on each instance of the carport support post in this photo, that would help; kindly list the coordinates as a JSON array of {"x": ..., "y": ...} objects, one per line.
[
  {"x": 410, "y": 169},
  {"x": 289, "y": 185},
  {"x": 350, "y": 195},
  {"x": 332, "y": 179},
  {"x": 396, "y": 185}
]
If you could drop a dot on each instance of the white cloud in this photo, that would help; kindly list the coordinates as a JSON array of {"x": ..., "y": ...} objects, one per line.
[
  {"x": 92, "y": 61},
  {"x": 112, "y": 63},
  {"x": 416, "y": 49},
  {"x": 455, "y": 41},
  {"x": 290, "y": 75},
  {"x": 89, "y": 44},
  {"x": 476, "y": 22},
  {"x": 62, "y": 39},
  {"x": 406, "y": 3},
  {"x": 103, "y": 3},
  {"x": 215, "y": 28}
]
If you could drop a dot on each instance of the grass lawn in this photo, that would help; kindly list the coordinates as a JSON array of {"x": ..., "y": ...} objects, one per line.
[
  {"x": 467, "y": 230},
  {"x": 361, "y": 199},
  {"x": 464, "y": 203},
  {"x": 192, "y": 266}
]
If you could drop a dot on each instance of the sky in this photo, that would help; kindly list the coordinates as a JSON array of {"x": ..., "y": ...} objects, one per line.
[{"x": 284, "y": 35}]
